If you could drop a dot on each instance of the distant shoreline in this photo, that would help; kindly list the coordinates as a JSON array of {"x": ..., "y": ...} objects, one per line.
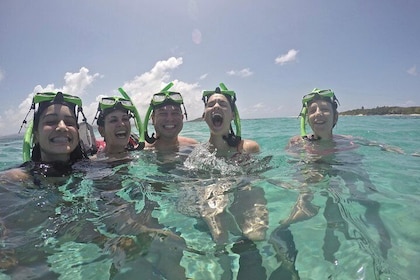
[{"x": 385, "y": 110}]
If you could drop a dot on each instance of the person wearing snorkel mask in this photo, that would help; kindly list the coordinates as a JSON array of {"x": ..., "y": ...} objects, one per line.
[
  {"x": 115, "y": 127},
  {"x": 246, "y": 208},
  {"x": 320, "y": 111},
  {"x": 219, "y": 112},
  {"x": 168, "y": 120},
  {"x": 325, "y": 156},
  {"x": 54, "y": 135}
]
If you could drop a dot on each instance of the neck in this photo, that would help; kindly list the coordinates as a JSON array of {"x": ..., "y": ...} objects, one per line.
[
  {"x": 114, "y": 150},
  {"x": 166, "y": 143}
]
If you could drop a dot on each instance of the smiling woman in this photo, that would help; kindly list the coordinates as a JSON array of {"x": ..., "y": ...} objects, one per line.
[
  {"x": 55, "y": 137},
  {"x": 114, "y": 126}
]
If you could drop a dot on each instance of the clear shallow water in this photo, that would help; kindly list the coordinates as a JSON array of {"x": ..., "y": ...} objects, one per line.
[{"x": 58, "y": 230}]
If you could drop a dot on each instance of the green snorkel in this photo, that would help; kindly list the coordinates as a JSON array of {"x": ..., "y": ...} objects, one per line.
[
  {"x": 27, "y": 143},
  {"x": 237, "y": 119},
  {"x": 137, "y": 118},
  {"x": 302, "y": 116}
]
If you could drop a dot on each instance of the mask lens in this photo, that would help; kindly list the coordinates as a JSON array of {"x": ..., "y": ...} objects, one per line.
[
  {"x": 126, "y": 103},
  {"x": 159, "y": 98},
  {"x": 108, "y": 101},
  {"x": 175, "y": 96}
]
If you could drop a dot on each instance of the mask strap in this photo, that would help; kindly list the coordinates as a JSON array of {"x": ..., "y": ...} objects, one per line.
[{"x": 24, "y": 120}]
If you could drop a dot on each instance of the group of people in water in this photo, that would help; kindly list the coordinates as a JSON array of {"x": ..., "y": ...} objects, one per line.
[{"x": 56, "y": 145}]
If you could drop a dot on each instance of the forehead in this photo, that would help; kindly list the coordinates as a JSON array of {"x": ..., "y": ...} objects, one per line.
[
  {"x": 58, "y": 109},
  {"x": 116, "y": 113},
  {"x": 320, "y": 102},
  {"x": 218, "y": 96},
  {"x": 168, "y": 108}
]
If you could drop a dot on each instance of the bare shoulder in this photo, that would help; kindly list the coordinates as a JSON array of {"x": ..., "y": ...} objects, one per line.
[
  {"x": 15, "y": 174},
  {"x": 250, "y": 146},
  {"x": 295, "y": 140},
  {"x": 185, "y": 141}
]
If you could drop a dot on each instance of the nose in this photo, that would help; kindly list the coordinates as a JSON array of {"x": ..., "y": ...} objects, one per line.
[
  {"x": 61, "y": 125},
  {"x": 319, "y": 111}
]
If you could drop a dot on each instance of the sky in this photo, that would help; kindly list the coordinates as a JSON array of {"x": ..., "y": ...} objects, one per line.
[{"x": 270, "y": 52}]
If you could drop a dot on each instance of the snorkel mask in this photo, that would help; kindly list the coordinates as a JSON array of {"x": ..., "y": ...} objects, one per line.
[
  {"x": 44, "y": 100},
  {"x": 109, "y": 104},
  {"x": 232, "y": 139},
  {"x": 160, "y": 99},
  {"x": 306, "y": 100}
]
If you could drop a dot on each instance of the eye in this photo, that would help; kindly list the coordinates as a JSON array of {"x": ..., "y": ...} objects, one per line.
[{"x": 211, "y": 103}]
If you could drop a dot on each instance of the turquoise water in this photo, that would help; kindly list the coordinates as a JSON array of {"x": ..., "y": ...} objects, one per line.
[{"x": 366, "y": 226}]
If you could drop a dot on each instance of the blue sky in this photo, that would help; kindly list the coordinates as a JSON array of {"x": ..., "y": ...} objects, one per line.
[{"x": 270, "y": 52}]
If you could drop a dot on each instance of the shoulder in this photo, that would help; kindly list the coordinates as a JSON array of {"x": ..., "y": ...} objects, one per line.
[
  {"x": 186, "y": 141},
  {"x": 15, "y": 174},
  {"x": 250, "y": 146},
  {"x": 295, "y": 140}
]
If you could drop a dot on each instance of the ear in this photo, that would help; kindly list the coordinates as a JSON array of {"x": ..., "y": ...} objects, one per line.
[{"x": 101, "y": 130}]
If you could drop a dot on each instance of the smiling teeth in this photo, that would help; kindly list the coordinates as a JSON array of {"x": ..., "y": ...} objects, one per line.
[{"x": 60, "y": 140}]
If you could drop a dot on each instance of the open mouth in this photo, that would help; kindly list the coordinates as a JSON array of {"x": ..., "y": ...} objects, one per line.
[
  {"x": 121, "y": 134},
  {"x": 217, "y": 120},
  {"x": 169, "y": 126}
]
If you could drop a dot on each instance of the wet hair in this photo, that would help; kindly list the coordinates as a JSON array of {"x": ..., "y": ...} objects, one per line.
[{"x": 78, "y": 153}]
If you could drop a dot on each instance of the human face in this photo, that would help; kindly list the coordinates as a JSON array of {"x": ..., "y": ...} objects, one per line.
[
  {"x": 57, "y": 133},
  {"x": 116, "y": 130},
  {"x": 218, "y": 114},
  {"x": 321, "y": 118},
  {"x": 168, "y": 121}
]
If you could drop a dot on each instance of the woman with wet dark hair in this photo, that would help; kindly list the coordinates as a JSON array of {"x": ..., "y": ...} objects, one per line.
[{"x": 55, "y": 137}]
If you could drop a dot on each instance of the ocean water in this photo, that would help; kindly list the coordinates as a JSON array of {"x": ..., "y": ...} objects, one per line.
[{"x": 157, "y": 216}]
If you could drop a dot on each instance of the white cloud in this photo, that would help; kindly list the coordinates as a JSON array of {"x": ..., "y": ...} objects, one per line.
[
  {"x": 75, "y": 84},
  {"x": 241, "y": 73},
  {"x": 290, "y": 56},
  {"x": 140, "y": 89},
  {"x": 202, "y": 77},
  {"x": 412, "y": 71}
]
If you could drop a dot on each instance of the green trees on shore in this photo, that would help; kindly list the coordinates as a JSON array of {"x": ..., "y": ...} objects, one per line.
[{"x": 385, "y": 110}]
